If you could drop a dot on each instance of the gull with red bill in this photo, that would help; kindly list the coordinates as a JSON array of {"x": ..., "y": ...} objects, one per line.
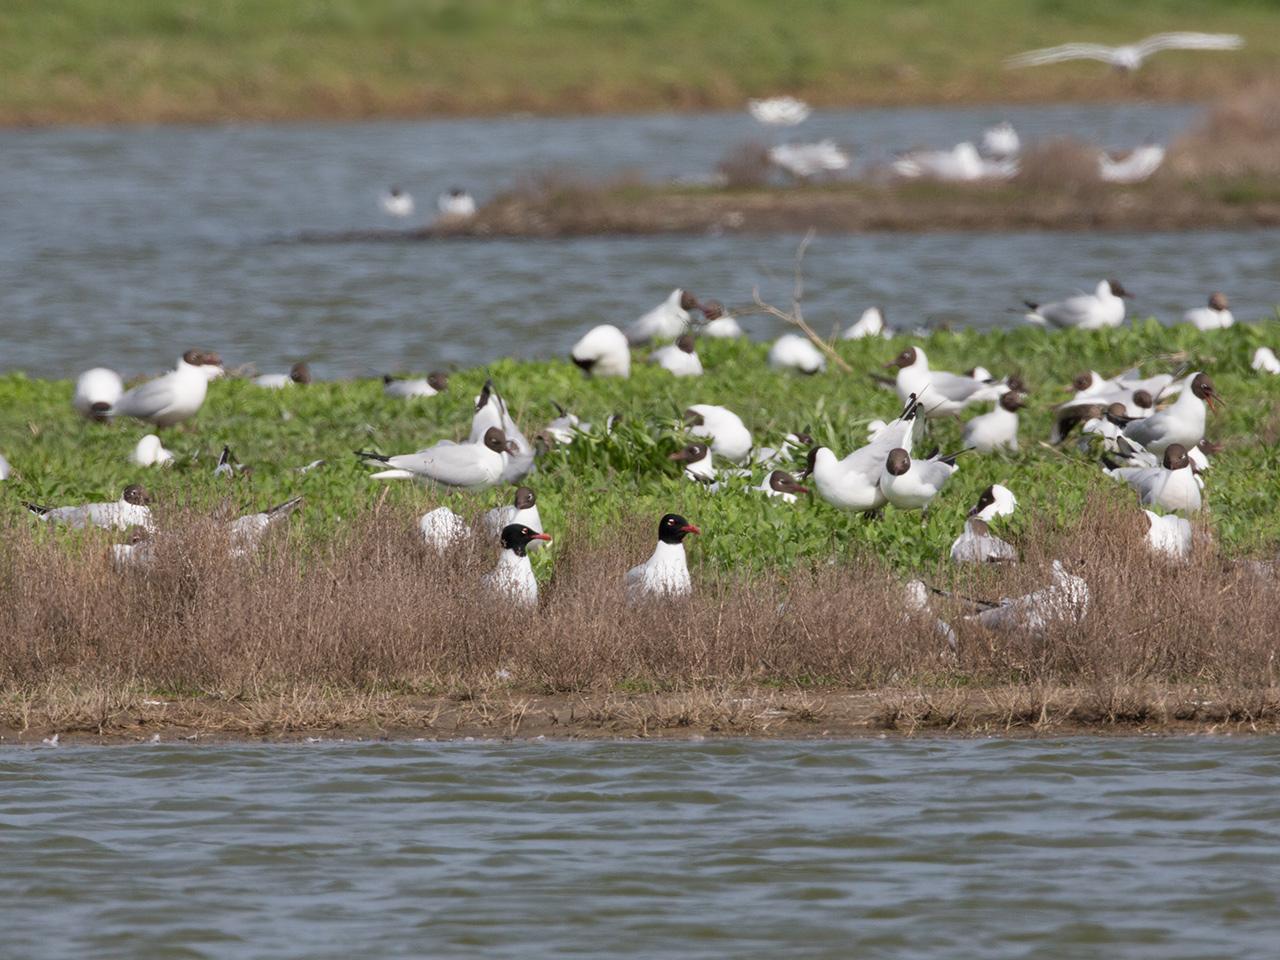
[{"x": 665, "y": 573}]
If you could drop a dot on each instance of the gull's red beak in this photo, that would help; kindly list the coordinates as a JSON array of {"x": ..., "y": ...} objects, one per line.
[
  {"x": 800, "y": 489},
  {"x": 689, "y": 528},
  {"x": 542, "y": 536}
]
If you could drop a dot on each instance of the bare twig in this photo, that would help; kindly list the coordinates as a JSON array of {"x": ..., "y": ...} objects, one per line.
[{"x": 795, "y": 316}]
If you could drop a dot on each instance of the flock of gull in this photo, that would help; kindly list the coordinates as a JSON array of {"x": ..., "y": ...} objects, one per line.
[{"x": 1147, "y": 432}]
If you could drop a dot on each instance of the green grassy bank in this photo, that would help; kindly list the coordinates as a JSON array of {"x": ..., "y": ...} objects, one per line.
[{"x": 92, "y": 61}]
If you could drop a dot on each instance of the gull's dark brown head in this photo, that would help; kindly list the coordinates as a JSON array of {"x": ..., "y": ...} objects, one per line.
[
  {"x": 1175, "y": 457},
  {"x": 690, "y": 454},
  {"x": 525, "y": 498},
  {"x": 136, "y": 495},
  {"x": 1219, "y": 301},
  {"x": 783, "y": 482},
  {"x": 688, "y": 301},
  {"x": 898, "y": 462},
  {"x": 1203, "y": 388},
  {"x": 438, "y": 381},
  {"x": 1012, "y": 401},
  {"x": 903, "y": 360},
  {"x": 1082, "y": 381},
  {"x": 712, "y": 309},
  {"x": 300, "y": 372},
  {"x": 1118, "y": 290},
  {"x": 685, "y": 342},
  {"x": 495, "y": 440},
  {"x": 1143, "y": 399}
]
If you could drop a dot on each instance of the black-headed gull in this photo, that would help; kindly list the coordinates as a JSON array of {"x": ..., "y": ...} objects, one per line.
[
  {"x": 997, "y": 430},
  {"x": 130, "y": 510},
  {"x": 247, "y": 531},
  {"x": 513, "y": 578},
  {"x": 1084, "y": 311},
  {"x": 1182, "y": 422},
  {"x": 1215, "y": 316},
  {"x": 396, "y": 203},
  {"x": 697, "y": 460},
  {"x": 962, "y": 163},
  {"x": 456, "y": 204},
  {"x": 5, "y": 470},
  {"x": 603, "y": 351},
  {"x": 729, "y": 436},
  {"x": 1265, "y": 361},
  {"x": 912, "y": 484},
  {"x": 792, "y": 444},
  {"x": 1128, "y": 57},
  {"x": 175, "y": 396},
  {"x": 870, "y": 324},
  {"x": 1066, "y": 599},
  {"x": 717, "y": 323},
  {"x": 939, "y": 391},
  {"x": 441, "y": 528},
  {"x": 228, "y": 466},
  {"x": 97, "y": 391},
  {"x": 1173, "y": 485},
  {"x": 680, "y": 359},
  {"x": 136, "y": 552},
  {"x": 492, "y": 411},
  {"x": 854, "y": 482},
  {"x": 1136, "y": 165},
  {"x": 1168, "y": 535},
  {"x": 665, "y": 573},
  {"x": 473, "y": 466},
  {"x": 1001, "y": 142},
  {"x": 666, "y": 321},
  {"x": 794, "y": 352},
  {"x": 996, "y": 500},
  {"x": 410, "y": 387},
  {"x": 523, "y": 511},
  {"x": 916, "y": 599},
  {"x": 778, "y": 111},
  {"x": 299, "y": 373},
  {"x": 149, "y": 452},
  {"x": 977, "y": 544},
  {"x": 782, "y": 485},
  {"x": 805, "y": 160}
]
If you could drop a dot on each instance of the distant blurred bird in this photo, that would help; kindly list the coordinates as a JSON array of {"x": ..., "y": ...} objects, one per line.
[
  {"x": 870, "y": 324},
  {"x": 962, "y": 163},
  {"x": 1001, "y": 142},
  {"x": 1130, "y": 56},
  {"x": 1216, "y": 316},
  {"x": 456, "y": 204},
  {"x": 779, "y": 111},
  {"x": 97, "y": 391},
  {"x": 299, "y": 373},
  {"x": 1134, "y": 167},
  {"x": 397, "y": 203},
  {"x": 794, "y": 352},
  {"x": 805, "y": 160}
]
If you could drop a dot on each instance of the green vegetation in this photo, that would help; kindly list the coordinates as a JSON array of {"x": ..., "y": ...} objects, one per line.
[
  {"x": 170, "y": 60},
  {"x": 600, "y": 486}
]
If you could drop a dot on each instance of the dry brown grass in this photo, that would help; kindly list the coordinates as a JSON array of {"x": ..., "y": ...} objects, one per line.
[
  {"x": 1240, "y": 137},
  {"x": 372, "y": 629},
  {"x": 1060, "y": 165}
]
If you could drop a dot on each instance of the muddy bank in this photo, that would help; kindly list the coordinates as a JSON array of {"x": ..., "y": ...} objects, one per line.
[{"x": 998, "y": 711}]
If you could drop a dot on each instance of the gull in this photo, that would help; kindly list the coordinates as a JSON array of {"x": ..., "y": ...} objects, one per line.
[
  {"x": 397, "y": 203},
  {"x": 228, "y": 465},
  {"x": 130, "y": 510},
  {"x": 523, "y": 510},
  {"x": 1065, "y": 599},
  {"x": 666, "y": 321},
  {"x": 665, "y": 573},
  {"x": 977, "y": 544},
  {"x": 1136, "y": 456},
  {"x": 1107, "y": 423},
  {"x": 779, "y": 111},
  {"x": 939, "y": 391},
  {"x": 1216, "y": 316},
  {"x": 995, "y": 501},
  {"x": 961, "y": 163},
  {"x": 854, "y": 482},
  {"x": 679, "y": 358},
  {"x": 912, "y": 484},
  {"x": 173, "y": 397},
  {"x": 5, "y": 470},
  {"x": 137, "y": 551},
  {"x": 603, "y": 351},
  {"x": 313, "y": 465},
  {"x": 697, "y": 460},
  {"x": 472, "y": 466},
  {"x": 1181, "y": 423},
  {"x": 1001, "y": 142},
  {"x": 1130, "y": 56},
  {"x": 1168, "y": 535},
  {"x": 782, "y": 485},
  {"x": 916, "y": 601},
  {"x": 456, "y": 204},
  {"x": 299, "y": 373},
  {"x": 442, "y": 528},
  {"x": 1171, "y": 486},
  {"x": 247, "y": 531},
  {"x": 870, "y": 324},
  {"x": 97, "y": 391},
  {"x": 772, "y": 456},
  {"x": 728, "y": 434},
  {"x": 513, "y": 578},
  {"x": 1134, "y": 167},
  {"x": 412, "y": 387},
  {"x": 805, "y": 160},
  {"x": 997, "y": 430},
  {"x": 794, "y": 352},
  {"x": 565, "y": 428},
  {"x": 1102, "y": 308},
  {"x": 149, "y": 453},
  {"x": 1265, "y": 360},
  {"x": 717, "y": 323},
  {"x": 491, "y": 411}
]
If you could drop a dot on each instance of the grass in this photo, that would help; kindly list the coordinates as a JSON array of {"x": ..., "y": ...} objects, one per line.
[
  {"x": 345, "y": 620},
  {"x": 166, "y": 60}
]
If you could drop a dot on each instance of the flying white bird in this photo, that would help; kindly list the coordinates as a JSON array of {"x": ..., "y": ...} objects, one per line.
[
  {"x": 995, "y": 501},
  {"x": 665, "y": 573},
  {"x": 779, "y": 111},
  {"x": 1130, "y": 56}
]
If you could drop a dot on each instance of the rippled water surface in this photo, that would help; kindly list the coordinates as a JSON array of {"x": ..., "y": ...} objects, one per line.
[
  {"x": 127, "y": 245},
  {"x": 1082, "y": 848}
]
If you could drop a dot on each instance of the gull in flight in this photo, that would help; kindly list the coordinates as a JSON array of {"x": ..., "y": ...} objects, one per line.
[{"x": 1130, "y": 56}]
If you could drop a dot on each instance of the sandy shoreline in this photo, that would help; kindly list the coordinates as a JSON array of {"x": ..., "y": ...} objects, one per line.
[{"x": 1000, "y": 711}]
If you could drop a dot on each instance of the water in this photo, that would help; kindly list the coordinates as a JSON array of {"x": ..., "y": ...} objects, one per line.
[
  {"x": 127, "y": 245},
  {"x": 1001, "y": 849}
]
